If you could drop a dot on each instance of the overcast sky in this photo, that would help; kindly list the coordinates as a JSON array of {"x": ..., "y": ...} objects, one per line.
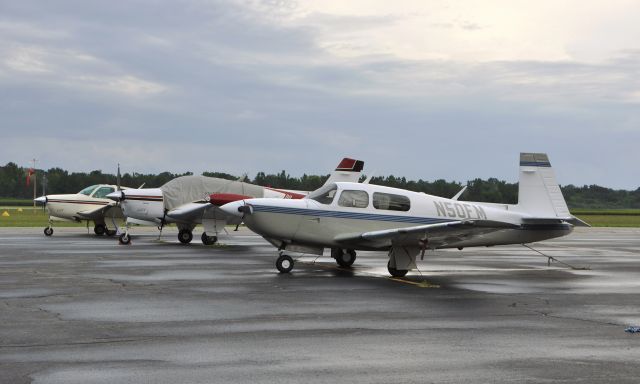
[{"x": 422, "y": 89}]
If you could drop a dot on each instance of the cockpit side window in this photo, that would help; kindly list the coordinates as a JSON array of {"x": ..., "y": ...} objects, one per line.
[
  {"x": 324, "y": 195},
  {"x": 102, "y": 192},
  {"x": 87, "y": 191},
  {"x": 391, "y": 202},
  {"x": 354, "y": 199}
]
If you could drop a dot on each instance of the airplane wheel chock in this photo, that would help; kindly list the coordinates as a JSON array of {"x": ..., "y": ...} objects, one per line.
[
  {"x": 396, "y": 272},
  {"x": 344, "y": 259},
  {"x": 124, "y": 239},
  {"x": 185, "y": 236},
  {"x": 284, "y": 263},
  {"x": 208, "y": 240},
  {"x": 48, "y": 231},
  {"x": 99, "y": 229}
]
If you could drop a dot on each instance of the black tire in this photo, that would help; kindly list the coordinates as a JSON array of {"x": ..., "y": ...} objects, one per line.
[
  {"x": 284, "y": 263},
  {"x": 48, "y": 231},
  {"x": 346, "y": 259},
  {"x": 99, "y": 229},
  {"x": 209, "y": 240},
  {"x": 124, "y": 239},
  {"x": 111, "y": 232},
  {"x": 396, "y": 272},
  {"x": 185, "y": 236}
]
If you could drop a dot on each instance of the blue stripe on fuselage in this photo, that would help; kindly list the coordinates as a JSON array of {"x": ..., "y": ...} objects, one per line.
[{"x": 349, "y": 215}]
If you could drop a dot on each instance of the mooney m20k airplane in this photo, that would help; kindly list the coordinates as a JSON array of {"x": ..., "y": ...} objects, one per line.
[
  {"x": 191, "y": 200},
  {"x": 349, "y": 216},
  {"x": 90, "y": 204}
]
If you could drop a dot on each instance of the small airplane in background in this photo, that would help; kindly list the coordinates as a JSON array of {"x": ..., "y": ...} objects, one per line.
[
  {"x": 90, "y": 204},
  {"x": 346, "y": 217},
  {"x": 191, "y": 200}
]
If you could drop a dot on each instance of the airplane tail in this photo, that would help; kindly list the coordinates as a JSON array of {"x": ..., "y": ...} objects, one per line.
[
  {"x": 348, "y": 170},
  {"x": 539, "y": 193}
]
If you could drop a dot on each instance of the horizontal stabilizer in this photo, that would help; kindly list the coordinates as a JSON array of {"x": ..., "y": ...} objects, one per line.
[{"x": 555, "y": 220}]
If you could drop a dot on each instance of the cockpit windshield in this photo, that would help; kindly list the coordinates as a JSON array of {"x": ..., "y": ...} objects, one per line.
[
  {"x": 324, "y": 195},
  {"x": 87, "y": 191}
]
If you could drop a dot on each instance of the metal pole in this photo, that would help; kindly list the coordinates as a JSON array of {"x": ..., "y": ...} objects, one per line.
[{"x": 34, "y": 182}]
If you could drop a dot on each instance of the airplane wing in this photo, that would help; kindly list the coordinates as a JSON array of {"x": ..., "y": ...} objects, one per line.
[
  {"x": 188, "y": 212},
  {"x": 438, "y": 235},
  {"x": 100, "y": 212}
]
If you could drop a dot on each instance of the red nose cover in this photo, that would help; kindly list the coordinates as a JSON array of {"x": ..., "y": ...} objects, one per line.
[{"x": 220, "y": 199}]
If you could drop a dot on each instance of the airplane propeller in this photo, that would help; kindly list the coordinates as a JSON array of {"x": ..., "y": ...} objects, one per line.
[
  {"x": 118, "y": 179},
  {"x": 42, "y": 200},
  {"x": 244, "y": 209}
]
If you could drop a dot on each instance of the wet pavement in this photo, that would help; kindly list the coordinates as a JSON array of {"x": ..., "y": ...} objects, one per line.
[{"x": 75, "y": 308}]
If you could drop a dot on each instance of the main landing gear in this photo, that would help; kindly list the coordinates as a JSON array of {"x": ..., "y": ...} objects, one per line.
[
  {"x": 396, "y": 272},
  {"x": 99, "y": 229},
  {"x": 208, "y": 240},
  {"x": 344, "y": 259},
  {"x": 185, "y": 236}
]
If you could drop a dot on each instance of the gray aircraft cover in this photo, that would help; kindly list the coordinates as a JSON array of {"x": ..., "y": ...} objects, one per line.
[{"x": 189, "y": 189}]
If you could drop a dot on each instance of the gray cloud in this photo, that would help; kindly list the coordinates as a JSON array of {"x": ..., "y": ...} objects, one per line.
[{"x": 218, "y": 85}]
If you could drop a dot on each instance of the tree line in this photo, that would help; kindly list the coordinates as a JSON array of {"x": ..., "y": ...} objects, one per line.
[{"x": 56, "y": 180}]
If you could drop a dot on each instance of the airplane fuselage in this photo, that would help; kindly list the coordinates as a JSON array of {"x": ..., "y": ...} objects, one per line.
[{"x": 312, "y": 223}]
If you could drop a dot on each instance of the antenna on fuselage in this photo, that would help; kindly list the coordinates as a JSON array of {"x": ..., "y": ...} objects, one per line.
[
  {"x": 368, "y": 179},
  {"x": 457, "y": 195}
]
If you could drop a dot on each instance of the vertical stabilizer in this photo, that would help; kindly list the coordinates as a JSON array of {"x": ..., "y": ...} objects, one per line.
[
  {"x": 348, "y": 170},
  {"x": 538, "y": 191}
]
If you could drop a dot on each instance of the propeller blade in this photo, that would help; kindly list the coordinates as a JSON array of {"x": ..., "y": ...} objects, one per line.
[{"x": 118, "y": 178}]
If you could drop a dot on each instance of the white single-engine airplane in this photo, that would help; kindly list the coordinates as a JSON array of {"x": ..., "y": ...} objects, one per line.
[
  {"x": 191, "y": 200},
  {"x": 90, "y": 204},
  {"x": 350, "y": 216}
]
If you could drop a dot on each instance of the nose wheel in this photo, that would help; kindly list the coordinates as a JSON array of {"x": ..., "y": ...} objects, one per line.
[
  {"x": 125, "y": 239},
  {"x": 284, "y": 263},
  {"x": 48, "y": 231}
]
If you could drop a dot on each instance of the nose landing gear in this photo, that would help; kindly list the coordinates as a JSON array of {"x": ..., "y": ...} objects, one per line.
[{"x": 284, "y": 263}]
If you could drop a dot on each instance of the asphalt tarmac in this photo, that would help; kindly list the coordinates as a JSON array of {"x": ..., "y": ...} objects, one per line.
[{"x": 75, "y": 308}]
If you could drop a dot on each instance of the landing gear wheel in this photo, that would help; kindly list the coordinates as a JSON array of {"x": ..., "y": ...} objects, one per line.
[
  {"x": 346, "y": 259},
  {"x": 185, "y": 236},
  {"x": 284, "y": 263},
  {"x": 209, "y": 240},
  {"x": 124, "y": 239},
  {"x": 396, "y": 272},
  {"x": 48, "y": 231},
  {"x": 111, "y": 232},
  {"x": 99, "y": 229}
]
